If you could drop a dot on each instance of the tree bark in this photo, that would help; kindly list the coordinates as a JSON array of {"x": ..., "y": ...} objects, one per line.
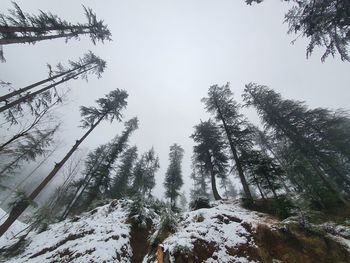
[{"x": 19, "y": 208}]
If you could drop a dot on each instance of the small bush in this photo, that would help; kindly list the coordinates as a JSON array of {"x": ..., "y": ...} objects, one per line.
[{"x": 282, "y": 207}]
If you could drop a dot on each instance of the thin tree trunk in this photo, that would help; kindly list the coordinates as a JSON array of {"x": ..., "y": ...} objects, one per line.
[
  {"x": 235, "y": 157},
  {"x": 19, "y": 91},
  {"x": 19, "y": 40},
  {"x": 19, "y": 208},
  {"x": 20, "y": 29},
  {"x": 82, "y": 188},
  {"x": 272, "y": 188},
  {"x": 32, "y": 95},
  {"x": 213, "y": 180},
  {"x": 259, "y": 188},
  {"x": 25, "y": 131}
]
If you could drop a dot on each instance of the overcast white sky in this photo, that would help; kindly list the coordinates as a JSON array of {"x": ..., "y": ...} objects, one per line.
[{"x": 166, "y": 54}]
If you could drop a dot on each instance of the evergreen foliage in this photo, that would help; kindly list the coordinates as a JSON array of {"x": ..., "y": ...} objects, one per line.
[
  {"x": 173, "y": 178},
  {"x": 21, "y": 27},
  {"x": 311, "y": 134},
  {"x": 220, "y": 102},
  {"x": 324, "y": 22},
  {"x": 144, "y": 172},
  {"x": 121, "y": 183},
  {"x": 209, "y": 152}
]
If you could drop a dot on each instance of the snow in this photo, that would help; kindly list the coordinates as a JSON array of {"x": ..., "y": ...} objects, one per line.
[
  {"x": 16, "y": 227},
  {"x": 101, "y": 235},
  {"x": 223, "y": 225}
]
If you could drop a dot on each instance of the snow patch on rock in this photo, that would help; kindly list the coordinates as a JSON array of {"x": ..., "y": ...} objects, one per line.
[
  {"x": 101, "y": 235},
  {"x": 225, "y": 226}
]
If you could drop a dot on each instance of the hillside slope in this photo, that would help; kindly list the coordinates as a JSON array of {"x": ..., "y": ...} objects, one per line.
[{"x": 224, "y": 233}]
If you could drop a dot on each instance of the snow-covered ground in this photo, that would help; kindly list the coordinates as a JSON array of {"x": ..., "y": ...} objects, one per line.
[
  {"x": 101, "y": 235},
  {"x": 17, "y": 227},
  {"x": 223, "y": 227}
]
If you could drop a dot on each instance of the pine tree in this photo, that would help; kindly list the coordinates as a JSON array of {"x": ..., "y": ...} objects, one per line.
[
  {"x": 100, "y": 184},
  {"x": 90, "y": 63},
  {"x": 120, "y": 186},
  {"x": 109, "y": 108},
  {"x": 173, "y": 178},
  {"x": 292, "y": 120},
  {"x": 220, "y": 102},
  {"x": 144, "y": 172},
  {"x": 32, "y": 125},
  {"x": 325, "y": 22},
  {"x": 183, "y": 201},
  {"x": 199, "y": 182},
  {"x": 264, "y": 172},
  {"x": 209, "y": 152},
  {"x": 34, "y": 145},
  {"x": 20, "y": 27}
]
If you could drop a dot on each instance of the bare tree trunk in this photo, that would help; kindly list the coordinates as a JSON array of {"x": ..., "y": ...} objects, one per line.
[
  {"x": 19, "y": 208},
  {"x": 19, "y": 91},
  {"x": 213, "y": 180},
  {"x": 259, "y": 188},
  {"x": 20, "y": 29},
  {"x": 18, "y": 40},
  {"x": 272, "y": 188},
  {"x": 235, "y": 156},
  {"x": 32, "y": 95}
]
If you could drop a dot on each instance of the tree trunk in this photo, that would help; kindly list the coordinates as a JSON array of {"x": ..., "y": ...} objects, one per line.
[
  {"x": 235, "y": 157},
  {"x": 20, "y": 29},
  {"x": 19, "y": 209},
  {"x": 259, "y": 188},
  {"x": 272, "y": 188},
  {"x": 32, "y": 95},
  {"x": 82, "y": 188},
  {"x": 17, "y": 92},
  {"x": 213, "y": 181},
  {"x": 22, "y": 40}
]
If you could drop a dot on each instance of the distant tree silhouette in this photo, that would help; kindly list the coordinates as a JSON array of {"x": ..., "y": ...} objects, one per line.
[
  {"x": 144, "y": 172},
  {"x": 173, "y": 177},
  {"x": 120, "y": 185}
]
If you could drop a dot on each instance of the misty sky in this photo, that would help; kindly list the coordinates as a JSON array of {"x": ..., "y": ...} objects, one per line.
[{"x": 166, "y": 54}]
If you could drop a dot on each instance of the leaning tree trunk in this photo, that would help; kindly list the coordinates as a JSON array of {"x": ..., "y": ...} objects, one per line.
[
  {"x": 32, "y": 95},
  {"x": 213, "y": 180},
  {"x": 235, "y": 157},
  {"x": 272, "y": 188},
  {"x": 19, "y": 91},
  {"x": 21, "y": 29},
  {"x": 259, "y": 188},
  {"x": 18, "y": 209},
  {"x": 22, "y": 40}
]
